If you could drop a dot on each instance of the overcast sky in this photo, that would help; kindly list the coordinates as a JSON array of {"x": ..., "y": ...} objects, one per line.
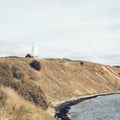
[{"x": 76, "y": 29}]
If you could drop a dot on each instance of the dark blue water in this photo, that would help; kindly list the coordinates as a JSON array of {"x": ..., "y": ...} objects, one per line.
[{"x": 100, "y": 108}]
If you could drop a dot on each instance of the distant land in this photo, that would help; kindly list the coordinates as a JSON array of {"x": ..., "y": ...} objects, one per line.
[{"x": 29, "y": 89}]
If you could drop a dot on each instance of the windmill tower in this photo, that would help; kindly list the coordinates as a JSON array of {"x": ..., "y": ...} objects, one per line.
[
  {"x": 34, "y": 50},
  {"x": 33, "y": 47}
]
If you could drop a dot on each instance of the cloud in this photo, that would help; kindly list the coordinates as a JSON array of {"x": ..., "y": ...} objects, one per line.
[{"x": 79, "y": 29}]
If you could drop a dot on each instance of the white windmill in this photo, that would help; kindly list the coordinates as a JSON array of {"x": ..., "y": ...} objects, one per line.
[{"x": 35, "y": 50}]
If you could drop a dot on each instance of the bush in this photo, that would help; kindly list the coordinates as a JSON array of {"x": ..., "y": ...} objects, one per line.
[
  {"x": 81, "y": 63},
  {"x": 17, "y": 73},
  {"x": 35, "y": 64}
]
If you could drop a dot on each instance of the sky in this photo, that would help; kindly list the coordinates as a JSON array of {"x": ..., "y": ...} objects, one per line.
[{"x": 75, "y": 29}]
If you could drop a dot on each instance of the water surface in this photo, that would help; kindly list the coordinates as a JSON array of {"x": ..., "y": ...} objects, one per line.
[{"x": 100, "y": 108}]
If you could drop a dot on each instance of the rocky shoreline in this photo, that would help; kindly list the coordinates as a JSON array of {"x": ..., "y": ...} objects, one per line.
[{"x": 62, "y": 110}]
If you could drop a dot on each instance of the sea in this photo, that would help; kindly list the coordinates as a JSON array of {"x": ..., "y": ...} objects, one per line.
[{"x": 100, "y": 108}]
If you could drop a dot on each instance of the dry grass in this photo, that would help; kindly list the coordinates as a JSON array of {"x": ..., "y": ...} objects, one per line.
[
  {"x": 60, "y": 79},
  {"x": 15, "y": 107},
  {"x": 66, "y": 77},
  {"x": 18, "y": 74},
  {"x": 63, "y": 79}
]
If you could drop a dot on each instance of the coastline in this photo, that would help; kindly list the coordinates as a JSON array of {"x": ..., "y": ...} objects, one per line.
[{"x": 62, "y": 109}]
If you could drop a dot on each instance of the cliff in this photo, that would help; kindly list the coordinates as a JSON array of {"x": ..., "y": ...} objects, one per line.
[
  {"x": 63, "y": 79},
  {"x": 56, "y": 80}
]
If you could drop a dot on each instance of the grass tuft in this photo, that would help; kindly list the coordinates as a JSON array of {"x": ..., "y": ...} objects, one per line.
[{"x": 17, "y": 73}]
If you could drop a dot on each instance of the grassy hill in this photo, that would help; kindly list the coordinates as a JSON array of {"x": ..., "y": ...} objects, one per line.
[
  {"x": 63, "y": 79},
  {"x": 15, "y": 107},
  {"x": 21, "y": 97},
  {"x": 31, "y": 91}
]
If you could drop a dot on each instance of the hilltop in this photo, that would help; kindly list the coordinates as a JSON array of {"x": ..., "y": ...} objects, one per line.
[{"x": 55, "y": 81}]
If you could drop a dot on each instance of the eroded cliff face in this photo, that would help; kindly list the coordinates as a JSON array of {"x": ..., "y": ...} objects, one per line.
[
  {"x": 58, "y": 79},
  {"x": 63, "y": 79}
]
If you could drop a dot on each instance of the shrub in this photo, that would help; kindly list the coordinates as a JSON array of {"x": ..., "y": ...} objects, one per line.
[
  {"x": 35, "y": 64},
  {"x": 17, "y": 73},
  {"x": 81, "y": 63}
]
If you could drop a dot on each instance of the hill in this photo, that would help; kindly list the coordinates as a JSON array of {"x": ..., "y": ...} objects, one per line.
[
  {"x": 15, "y": 107},
  {"x": 55, "y": 80},
  {"x": 21, "y": 97},
  {"x": 63, "y": 79}
]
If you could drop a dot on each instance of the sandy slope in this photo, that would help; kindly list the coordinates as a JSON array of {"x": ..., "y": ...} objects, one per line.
[
  {"x": 64, "y": 79},
  {"x": 58, "y": 80}
]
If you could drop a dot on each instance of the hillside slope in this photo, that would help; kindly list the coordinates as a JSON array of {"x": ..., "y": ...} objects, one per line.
[
  {"x": 63, "y": 79},
  {"x": 15, "y": 107},
  {"x": 17, "y": 74},
  {"x": 57, "y": 80},
  {"x": 21, "y": 97}
]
